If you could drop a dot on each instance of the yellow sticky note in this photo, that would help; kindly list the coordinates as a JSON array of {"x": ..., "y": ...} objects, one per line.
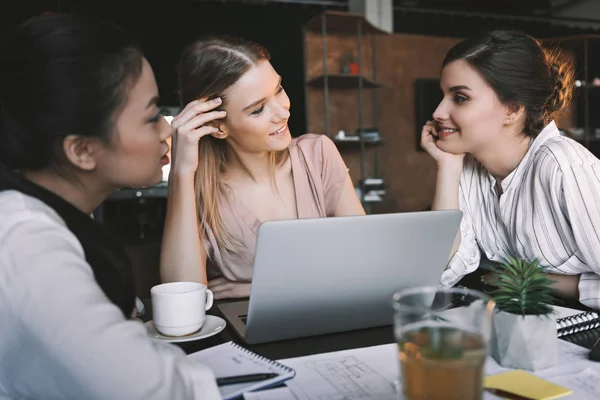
[{"x": 524, "y": 384}]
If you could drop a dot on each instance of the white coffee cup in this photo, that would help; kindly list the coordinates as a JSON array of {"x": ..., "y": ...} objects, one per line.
[{"x": 179, "y": 308}]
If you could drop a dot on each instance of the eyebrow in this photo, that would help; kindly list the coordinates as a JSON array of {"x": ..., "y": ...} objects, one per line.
[
  {"x": 153, "y": 101},
  {"x": 459, "y": 87},
  {"x": 257, "y": 102}
]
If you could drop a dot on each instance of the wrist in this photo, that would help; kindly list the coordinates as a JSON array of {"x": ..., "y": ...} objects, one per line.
[
  {"x": 449, "y": 171},
  {"x": 179, "y": 177}
]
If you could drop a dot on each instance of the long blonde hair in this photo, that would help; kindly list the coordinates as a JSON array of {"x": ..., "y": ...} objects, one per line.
[{"x": 206, "y": 69}]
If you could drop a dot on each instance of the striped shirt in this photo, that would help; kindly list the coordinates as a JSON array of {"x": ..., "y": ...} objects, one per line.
[{"x": 549, "y": 211}]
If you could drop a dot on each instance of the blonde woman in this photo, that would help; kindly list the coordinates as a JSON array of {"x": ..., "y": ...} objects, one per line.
[{"x": 236, "y": 166}]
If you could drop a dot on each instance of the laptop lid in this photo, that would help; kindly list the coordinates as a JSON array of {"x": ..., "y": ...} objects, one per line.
[{"x": 326, "y": 275}]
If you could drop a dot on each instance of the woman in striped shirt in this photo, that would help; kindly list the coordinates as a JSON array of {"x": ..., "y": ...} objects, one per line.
[{"x": 524, "y": 190}]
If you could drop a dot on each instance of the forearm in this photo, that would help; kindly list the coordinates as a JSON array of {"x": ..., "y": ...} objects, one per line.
[
  {"x": 446, "y": 188},
  {"x": 183, "y": 257},
  {"x": 566, "y": 286},
  {"x": 589, "y": 290},
  {"x": 446, "y": 196},
  {"x": 73, "y": 343},
  {"x": 349, "y": 204}
]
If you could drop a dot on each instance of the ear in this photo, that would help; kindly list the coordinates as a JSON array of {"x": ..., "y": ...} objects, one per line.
[
  {"x": 222, "y": 127},
  {"x": 514, "y": 113},
  {"x": 82, "y": 151}
]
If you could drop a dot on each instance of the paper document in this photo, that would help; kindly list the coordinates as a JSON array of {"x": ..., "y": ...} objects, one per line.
[
  {"x": 584, "y": 384},
  {"x": 271, "y": 394},
  {"x": 367, "y": 373},
  {"x": 374, "y": 372}
]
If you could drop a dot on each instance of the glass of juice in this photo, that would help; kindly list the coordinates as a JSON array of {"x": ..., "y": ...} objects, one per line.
[{"x": 442, "y": 337}]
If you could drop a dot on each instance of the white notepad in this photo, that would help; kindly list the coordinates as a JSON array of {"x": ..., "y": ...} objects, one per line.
[{"x": 230, "y": 359}]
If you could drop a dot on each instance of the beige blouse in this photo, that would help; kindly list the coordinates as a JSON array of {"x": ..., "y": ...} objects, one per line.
[{"x": 319, "y": 175}]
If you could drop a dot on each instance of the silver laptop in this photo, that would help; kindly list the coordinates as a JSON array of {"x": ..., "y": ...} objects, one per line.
[{"x": 326, "y": 275}]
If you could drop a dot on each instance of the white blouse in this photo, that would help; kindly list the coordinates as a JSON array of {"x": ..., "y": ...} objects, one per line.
[
  {"x": 549, "y": 210},
  {"x": 60, "y": 336}
]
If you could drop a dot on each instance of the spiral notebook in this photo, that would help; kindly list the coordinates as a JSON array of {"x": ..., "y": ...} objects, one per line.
[
  {"x": 570, "y": 321},
  {"x": 230, "y": 359}
]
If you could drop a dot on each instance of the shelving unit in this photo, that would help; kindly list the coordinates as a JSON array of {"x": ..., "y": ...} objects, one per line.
[
  {"x": 328, "y": 39},
  {"x": 341, "y": 81},
  {"x": 582, "y": 121}
]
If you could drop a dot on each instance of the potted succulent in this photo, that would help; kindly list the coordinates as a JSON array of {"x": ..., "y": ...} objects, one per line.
[{"x": 524, "y": 324}]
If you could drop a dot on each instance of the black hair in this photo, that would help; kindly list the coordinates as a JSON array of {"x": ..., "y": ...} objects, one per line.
[
  {"x": 522, "y": 73},
  {"x": 60, "y": 75}
]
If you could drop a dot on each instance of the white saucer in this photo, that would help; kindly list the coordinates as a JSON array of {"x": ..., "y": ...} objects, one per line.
[{"x": 212, "y": 326}]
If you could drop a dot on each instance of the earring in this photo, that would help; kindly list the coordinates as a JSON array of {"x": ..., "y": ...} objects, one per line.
[{"x": 507, "y": 120}]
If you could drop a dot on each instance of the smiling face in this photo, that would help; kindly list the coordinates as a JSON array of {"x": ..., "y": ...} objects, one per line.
[
  {"x": 258, "y": 110},
  {"x": 470, "y": 117}
]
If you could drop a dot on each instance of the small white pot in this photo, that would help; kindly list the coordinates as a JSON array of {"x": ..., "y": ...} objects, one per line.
[{"x": 524, "y": 342}]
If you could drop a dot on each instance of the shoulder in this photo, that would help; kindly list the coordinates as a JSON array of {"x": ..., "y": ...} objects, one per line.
[
  {"x": 314, "y": 149},
  {"x": 563, "y": 164},
  {"x": 26, "y": 220},
  {"x": 313, "y": 143},
  {"x": 16, "y": 206},
  {"x": 317, "y": 149},
  {"x": 563, "y": 153}
]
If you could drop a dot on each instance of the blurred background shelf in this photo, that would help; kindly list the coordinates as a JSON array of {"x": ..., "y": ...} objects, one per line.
[{"x": 342, "y": 81}]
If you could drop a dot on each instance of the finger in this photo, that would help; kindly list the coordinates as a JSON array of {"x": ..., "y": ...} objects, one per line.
[
  {"x": 427, "y": 140},
  {"x": 203, "y": 131},
  {"x": 242, "y": 289},
  {"x": 193, "y": 109},
  {"x": 217, "y": 281},
  {"x": 193, "y": 137},
  {"x": 184, "y": 114},
  {"x": 200, "y": 120},
  {"x": 205, "y": 106},
  {"x": 429, "y": 129},
  {"x": 426, "y": 135},
  {"x": 194, "y": 103},
  {"x": 220, "y": 295},
  {"x": 221, "y": 287}
]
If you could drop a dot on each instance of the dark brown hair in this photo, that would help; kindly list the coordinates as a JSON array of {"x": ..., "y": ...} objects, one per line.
[
  {"x": 61, "y": 75},
  {"x": 521, "y": 72}
]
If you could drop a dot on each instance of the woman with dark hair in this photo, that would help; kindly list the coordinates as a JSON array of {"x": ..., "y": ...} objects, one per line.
[
  {"x": 236, "y": 166},
  {"x": 525, "y": 191},
  {"x": 78, "y": 120}
]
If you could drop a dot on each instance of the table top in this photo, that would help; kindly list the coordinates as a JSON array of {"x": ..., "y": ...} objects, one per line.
[{"x": 324, "y": 343}]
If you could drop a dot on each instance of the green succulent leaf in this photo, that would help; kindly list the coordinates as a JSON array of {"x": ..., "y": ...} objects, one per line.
[{"x": 522, "y": 287}]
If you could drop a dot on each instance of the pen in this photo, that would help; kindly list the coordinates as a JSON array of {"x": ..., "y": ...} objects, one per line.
[{"x": 232, "y": 380}]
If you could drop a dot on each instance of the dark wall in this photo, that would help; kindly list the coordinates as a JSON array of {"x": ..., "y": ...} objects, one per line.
[
  {"x": 425, "y": 23},
  {"x": 165, "y": 28},
  {"x": 504, "y": 7}
]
